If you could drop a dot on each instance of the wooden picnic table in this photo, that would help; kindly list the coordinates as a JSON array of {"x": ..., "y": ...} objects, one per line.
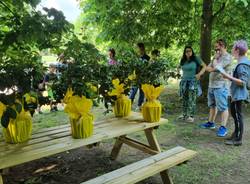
[{"x": 50, "y": 141}]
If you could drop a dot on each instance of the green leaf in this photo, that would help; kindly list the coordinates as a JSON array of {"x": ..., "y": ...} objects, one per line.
[
  {"x": 11, "y": 113},
  {"x": 18, "y": 107},
  {"x": 5, "y": 120}
]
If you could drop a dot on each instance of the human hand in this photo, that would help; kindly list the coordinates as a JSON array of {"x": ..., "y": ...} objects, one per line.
[{"x": 198, "y": 76}]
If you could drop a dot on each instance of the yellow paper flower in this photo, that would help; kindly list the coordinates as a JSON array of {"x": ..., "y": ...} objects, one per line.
[
  {"x": 132, "y": 76},
  {"x": 30, "y": 99},
  {"x": 2, "y": 109},
  {"x": 118, "y": 88},
  {"x": 78, "y": 106},
  {"x": 151, "y": 92},
  {"x": 68, "y": 95}
]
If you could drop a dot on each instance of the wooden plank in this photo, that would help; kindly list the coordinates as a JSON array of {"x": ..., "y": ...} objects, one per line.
[
  {"x": 111, "y": 131},
  {"x": 41, "y": 141},
  {"x": 138, "y": 145},
  {"x": 165, "y": 177},
  {"x": 51, "y": 128},
  {"x": 1, "y": 179},
  {"x": 152, "y": 140},
  {"x": 47, "y": 141},
  {"x": 153, "y": 169},
  {"x": 137, "y": 165},
  {"x": 116, "y": 148},
  {"x": 142, "y": 169}
]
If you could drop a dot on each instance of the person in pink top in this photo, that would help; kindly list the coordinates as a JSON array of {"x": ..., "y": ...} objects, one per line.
[{"x": 111, "y": 54}]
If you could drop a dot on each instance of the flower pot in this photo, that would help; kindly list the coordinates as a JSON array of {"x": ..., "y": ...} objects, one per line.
[
  {"x": 122, "y": 107},
  {"x": 81, "y": 120},
  {"x": 19, "y": 130},
  {"x": 83, "y": 127},
  {"x": 151, "y": 111}
]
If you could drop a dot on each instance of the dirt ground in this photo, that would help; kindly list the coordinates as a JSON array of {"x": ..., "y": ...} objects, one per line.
[{"x": 216, "y": 163}]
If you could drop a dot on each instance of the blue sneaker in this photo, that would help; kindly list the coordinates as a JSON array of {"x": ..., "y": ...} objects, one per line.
[
  {"x": 222, "y": 132},
  {"x": 208, "y": 125}
]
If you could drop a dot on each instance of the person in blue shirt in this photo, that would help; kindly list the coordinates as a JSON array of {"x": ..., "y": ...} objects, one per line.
[{"x": 239, "y": 91}]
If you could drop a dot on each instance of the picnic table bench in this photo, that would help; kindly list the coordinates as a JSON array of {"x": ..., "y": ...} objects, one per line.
[
  {"x": 50, "y": 141},
  {"x": 147, "y": 167}
]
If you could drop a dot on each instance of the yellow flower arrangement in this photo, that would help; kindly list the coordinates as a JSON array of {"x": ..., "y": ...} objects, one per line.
[
  {"x": 81, "y": 120},
  {"x": 122, "y": 106},
  {"x": 151, "y": 109}
]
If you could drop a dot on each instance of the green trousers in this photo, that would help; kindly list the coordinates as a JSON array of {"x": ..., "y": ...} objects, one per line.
[{"x": 189, "y": 102}]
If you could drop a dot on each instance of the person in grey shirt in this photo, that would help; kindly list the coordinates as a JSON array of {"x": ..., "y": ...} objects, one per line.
[{"x": 218, "y": 89}]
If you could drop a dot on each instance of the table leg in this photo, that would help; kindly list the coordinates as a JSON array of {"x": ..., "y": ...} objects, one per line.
[
  {"x": 1, "y": 177},
  {"x": 153, "y": 143},
  {"x": 152, "y": 140},
  {"x": 165, "y": 177},
  {"x": 116, "y": 148}
]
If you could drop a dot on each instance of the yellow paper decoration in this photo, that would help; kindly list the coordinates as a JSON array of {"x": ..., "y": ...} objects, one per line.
[
  {"x": 132, "y": 76},
  {"x": 81, "y": 119},
  {"x": 30, "y": 99},
  {"x": 151, "y": 110},
  {"x": 118, "y": 88},
  {"x": 19, "y": 130},
  {"x": 151, "y": 92},
  {"x": 122, "y": 107},
  {"x": 68, "y": 95},
  {"x": 2, "y": 109}
]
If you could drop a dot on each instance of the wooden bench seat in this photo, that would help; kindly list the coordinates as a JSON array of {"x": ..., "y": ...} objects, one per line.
[{"x": 143, "y": 169}]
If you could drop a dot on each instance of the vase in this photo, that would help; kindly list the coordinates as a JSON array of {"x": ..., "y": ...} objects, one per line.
[
  {"x": 151, "y": 111},
  {"x": 19, "y": 130},
  {"x": 122, "y": 107},
  {"x": 82, "y": 127}
]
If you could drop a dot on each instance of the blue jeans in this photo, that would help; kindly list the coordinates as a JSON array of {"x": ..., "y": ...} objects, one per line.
[
  {"x": 218, "y": 97},
  {"x": 133, "y": 92}
]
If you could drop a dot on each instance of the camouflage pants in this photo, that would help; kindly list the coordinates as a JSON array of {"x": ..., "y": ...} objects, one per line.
[{"x": 189, "y": 102}]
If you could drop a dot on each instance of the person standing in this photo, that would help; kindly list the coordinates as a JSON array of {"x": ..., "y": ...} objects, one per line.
[
  {"x": 218, "y": 89},
  {"x": 239, "y": 92},
  {"x": 49, "y": 78},
  {"x": 189, "y": 83},
  {"x": 144, "y": 57},
  {"x": 112, "y": 60}
]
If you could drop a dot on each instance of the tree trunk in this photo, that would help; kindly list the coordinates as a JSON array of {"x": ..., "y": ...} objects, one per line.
[{"x": 206, "y": 39}]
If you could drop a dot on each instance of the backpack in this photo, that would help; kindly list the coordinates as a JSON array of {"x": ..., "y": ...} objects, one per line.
[{"x": 235, "y": 74}]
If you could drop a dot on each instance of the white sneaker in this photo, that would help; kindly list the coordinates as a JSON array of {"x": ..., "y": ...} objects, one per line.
[{"x": 190, "y": 119}]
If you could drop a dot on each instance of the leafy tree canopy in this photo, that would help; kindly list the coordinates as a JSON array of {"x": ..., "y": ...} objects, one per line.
[
  {"x": 161, "y": 23},
  {"x": 24, "y": 32}
]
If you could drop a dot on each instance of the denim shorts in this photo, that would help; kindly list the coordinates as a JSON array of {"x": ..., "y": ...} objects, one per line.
[{"x": 218, "y": 97}]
